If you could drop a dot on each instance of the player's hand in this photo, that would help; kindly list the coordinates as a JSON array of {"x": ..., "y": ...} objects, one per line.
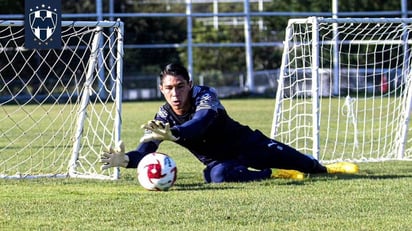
[
  {"x": 157, "y": 130},
  {"x": 114, "y": 157}
]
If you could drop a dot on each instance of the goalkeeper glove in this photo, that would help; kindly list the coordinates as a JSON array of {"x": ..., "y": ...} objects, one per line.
[
  {"x": 157, "y": 131},
  {"x": 114, "y": 157}
]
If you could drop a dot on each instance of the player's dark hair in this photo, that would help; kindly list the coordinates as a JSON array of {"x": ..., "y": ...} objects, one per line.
[{"x": 175, "y": 70}]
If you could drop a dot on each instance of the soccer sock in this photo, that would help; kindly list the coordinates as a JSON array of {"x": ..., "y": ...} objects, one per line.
[
  {"x": 242, "y": 174},
  {"x": 317, "y": 167},
  {"x": 229, "y": 172}
]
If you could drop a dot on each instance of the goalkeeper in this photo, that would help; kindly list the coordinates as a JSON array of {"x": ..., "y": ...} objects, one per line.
[{"x": 194, "y": 118}]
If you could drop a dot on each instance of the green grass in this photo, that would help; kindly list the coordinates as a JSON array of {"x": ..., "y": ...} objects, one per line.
[{"x": 378, "y": 198}]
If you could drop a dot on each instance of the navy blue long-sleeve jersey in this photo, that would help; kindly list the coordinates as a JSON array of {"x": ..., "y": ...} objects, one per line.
[
  {"x": 206, "y": 130},
  {"x": 212, "y": 136}
]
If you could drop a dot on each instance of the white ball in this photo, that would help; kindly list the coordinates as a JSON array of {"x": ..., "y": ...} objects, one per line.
[{"x": 157, "y": 171}]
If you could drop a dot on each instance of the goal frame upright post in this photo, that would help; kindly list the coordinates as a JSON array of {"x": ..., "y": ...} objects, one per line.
[
  {"x": 96, "y": 59},
  {"x": 328, "y": 61},
  {"x": 315, "y": 88},
  {"x": 77, "y": 114}
]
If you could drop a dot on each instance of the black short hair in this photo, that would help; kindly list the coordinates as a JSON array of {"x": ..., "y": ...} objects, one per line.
[{"x": 175, "y": 70}]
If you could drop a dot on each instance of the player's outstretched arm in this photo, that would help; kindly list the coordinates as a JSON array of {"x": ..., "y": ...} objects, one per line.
[{"x": 114, "y": 157}]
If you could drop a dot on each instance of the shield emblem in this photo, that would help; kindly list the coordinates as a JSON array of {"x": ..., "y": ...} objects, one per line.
[{"x": 43, "y": 23}]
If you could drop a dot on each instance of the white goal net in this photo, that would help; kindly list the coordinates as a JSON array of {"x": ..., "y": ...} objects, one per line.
[
  {"x": 344, "y": 91},
  {"x": 59, "y": 107}
]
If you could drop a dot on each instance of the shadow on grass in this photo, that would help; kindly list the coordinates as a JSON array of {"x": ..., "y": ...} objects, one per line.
[
  {"x": 365, "y": 175},
  {"x": 234, "y": 185},
  {"x": 205, "y": 186},
  {"x": 308, "y": 178}
]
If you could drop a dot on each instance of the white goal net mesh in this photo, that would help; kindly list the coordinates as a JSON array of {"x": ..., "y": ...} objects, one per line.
[
  {"x": 59, "y": 107},
  {"x": 344, "y": 91}
]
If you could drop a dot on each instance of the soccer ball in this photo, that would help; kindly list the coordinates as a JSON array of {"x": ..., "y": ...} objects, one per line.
[{"x": 157, "y": 171}]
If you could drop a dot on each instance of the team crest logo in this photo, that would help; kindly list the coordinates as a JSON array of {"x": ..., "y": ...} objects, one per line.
[{"x": 43, "y": 24}]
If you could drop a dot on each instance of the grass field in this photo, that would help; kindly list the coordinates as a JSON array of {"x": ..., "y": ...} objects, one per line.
[{"x": 378, "y": 198}]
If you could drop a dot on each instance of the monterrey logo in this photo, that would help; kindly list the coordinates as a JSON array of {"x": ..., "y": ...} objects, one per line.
[{"x": 43, "y": 22}]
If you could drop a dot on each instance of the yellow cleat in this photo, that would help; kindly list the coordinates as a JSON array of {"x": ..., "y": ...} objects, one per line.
[
  {"x": 342, "y": 167},
  {"x": 287, "y": 174}
]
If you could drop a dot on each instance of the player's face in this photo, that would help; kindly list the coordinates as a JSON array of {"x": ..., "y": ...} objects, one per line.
[{"x": 176, "y": 91}]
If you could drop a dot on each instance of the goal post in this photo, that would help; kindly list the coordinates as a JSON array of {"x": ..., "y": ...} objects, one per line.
[
  {"x": 344, "y": 91},
  {"x": 60, "y": 107}
]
